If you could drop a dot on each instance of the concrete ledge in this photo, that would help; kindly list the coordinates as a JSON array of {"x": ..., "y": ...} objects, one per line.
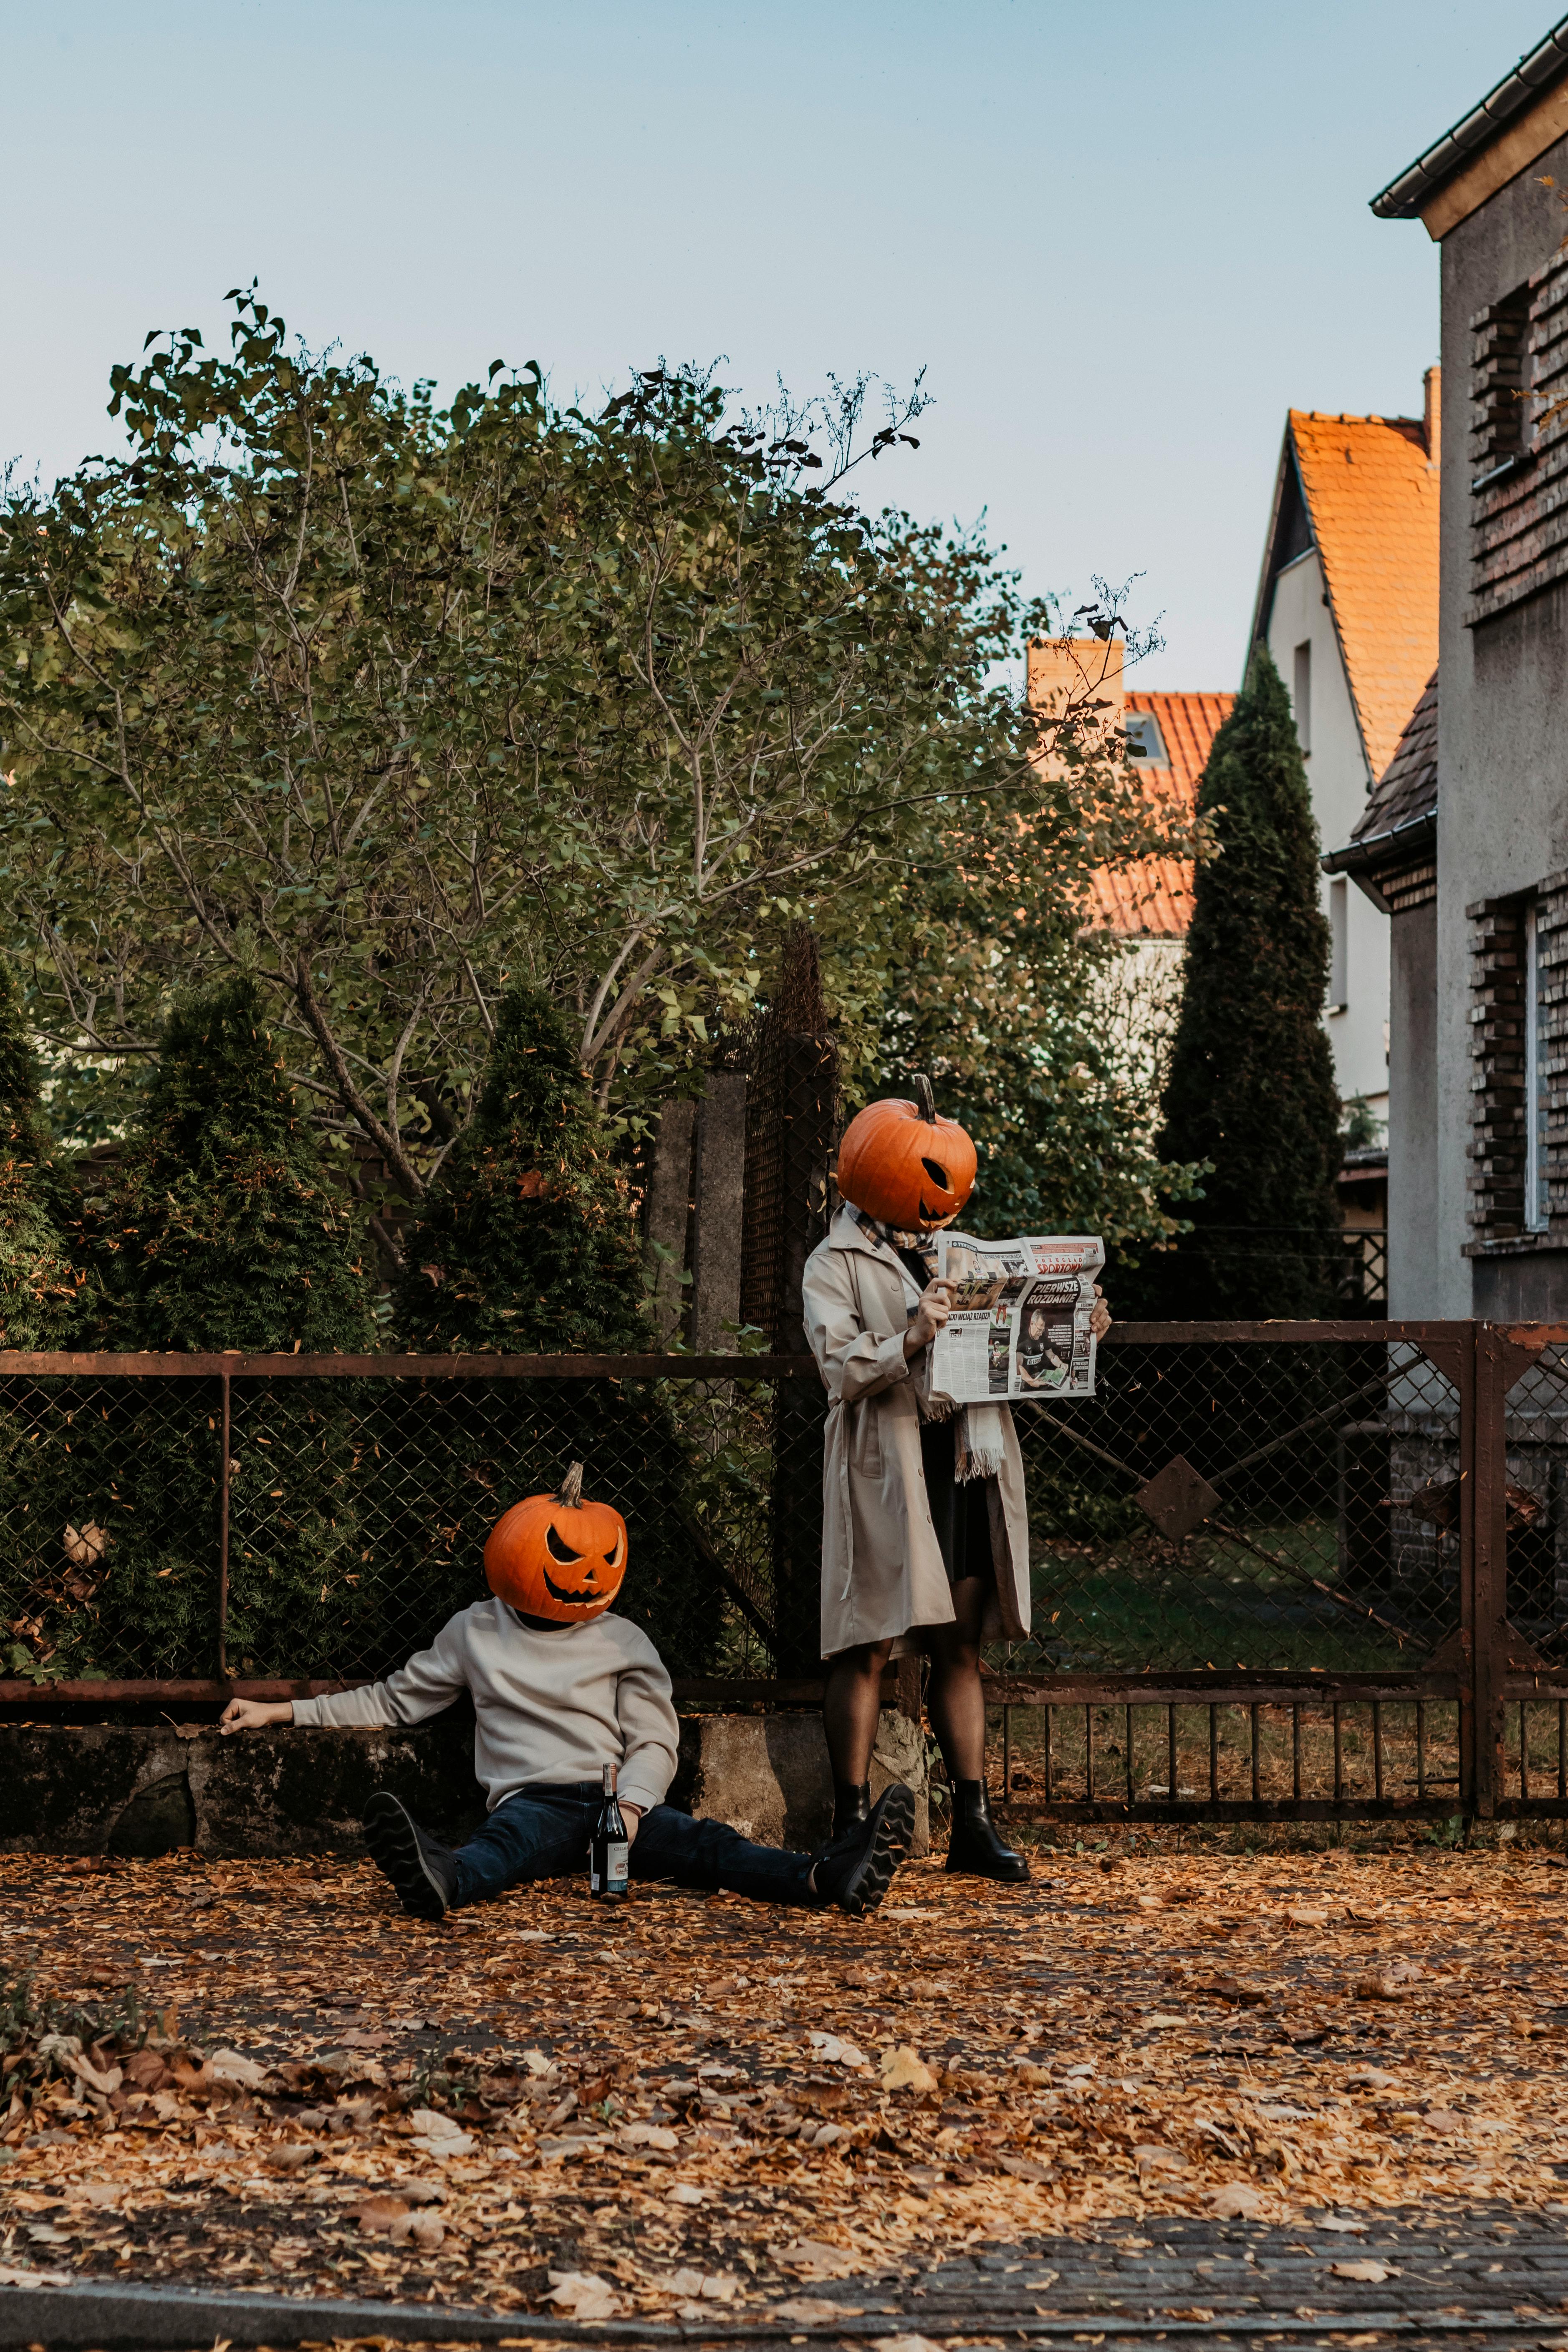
[
  {"x": 768, "y": 1775},
  {"x": 145, "y": 1790}
]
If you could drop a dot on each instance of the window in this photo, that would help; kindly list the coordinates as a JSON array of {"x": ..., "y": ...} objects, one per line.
[
  {"x": 1500, "y": 388},
  {"x": 1339, "y": 945},
  {"x": 1535, "y": 1099},
  {"x": 1144, "y": 740},
  {"x": 1302, "y": 696},
  {"x": 1519, "y": 1067}
]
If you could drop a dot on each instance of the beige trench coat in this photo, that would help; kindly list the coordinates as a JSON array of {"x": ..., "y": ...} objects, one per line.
[{"x": 882, "y": 1565}]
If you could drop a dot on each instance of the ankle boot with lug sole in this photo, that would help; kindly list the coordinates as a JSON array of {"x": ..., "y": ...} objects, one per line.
[
  {"x": 974, "y": 1847},
  {"x": 852, "y": 1804}
]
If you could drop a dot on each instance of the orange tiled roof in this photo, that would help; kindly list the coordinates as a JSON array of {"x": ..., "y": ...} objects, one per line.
[
  {"x": 1153, "y": 900},
  {"x": 1372, "y": 499}
]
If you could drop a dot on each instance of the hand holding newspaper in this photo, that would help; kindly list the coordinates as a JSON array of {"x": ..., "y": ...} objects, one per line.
[{"x": 1019, "y": 1326}]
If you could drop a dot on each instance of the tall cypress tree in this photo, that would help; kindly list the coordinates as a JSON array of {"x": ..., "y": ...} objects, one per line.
[
  {"x": 1251, "y": 1088},
  {"x": 528, "y": 1245}
]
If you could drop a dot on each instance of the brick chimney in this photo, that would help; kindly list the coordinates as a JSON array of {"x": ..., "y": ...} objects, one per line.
[
  {"x": 1064, "y": 671},
  {"x": 1432, "y": 414}
]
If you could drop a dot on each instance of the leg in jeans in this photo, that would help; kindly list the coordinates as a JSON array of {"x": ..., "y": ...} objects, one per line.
[
  {"x": 710, "y": 1854},
  {"x": 527, "y": 1836}
]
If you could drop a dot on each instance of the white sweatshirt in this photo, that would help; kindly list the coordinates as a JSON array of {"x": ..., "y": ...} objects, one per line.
[{"x": 556, "y": 1706}]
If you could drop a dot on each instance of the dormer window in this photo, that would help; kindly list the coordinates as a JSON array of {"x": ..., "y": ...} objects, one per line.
[{"x": 1144, "y": 741}]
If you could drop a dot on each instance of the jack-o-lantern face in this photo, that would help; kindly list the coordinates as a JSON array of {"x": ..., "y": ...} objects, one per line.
[
  {"x": 556, "y": 1555},
  {"x": 901, "y": 1164}
]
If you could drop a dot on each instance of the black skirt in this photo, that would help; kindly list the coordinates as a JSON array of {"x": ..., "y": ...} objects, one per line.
[{"x": 960, "y": 1514}]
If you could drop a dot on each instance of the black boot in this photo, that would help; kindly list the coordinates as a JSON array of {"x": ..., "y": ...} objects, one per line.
[
  {"x": 974, "y": 1848},
  {"x": 852, "y": 1804},
  {"x": 854, "y": 1868},
  {"x": 424, "y": 1874}
]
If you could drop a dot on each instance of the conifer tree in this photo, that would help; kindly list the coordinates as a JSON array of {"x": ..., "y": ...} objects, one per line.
[
  {"x": 231, "y": 1238},
  {"x": 1251, "y": 1087},
  {"x": 528, "y": 1245},
  {"x": 42, "y": 1590},
  {"x": 224, "y": 1236}
]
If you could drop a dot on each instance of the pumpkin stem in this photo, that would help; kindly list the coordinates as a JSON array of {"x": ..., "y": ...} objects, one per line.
[
  {"x": 569, "y": 1494},
  {"x": 928, "y": 1101}
]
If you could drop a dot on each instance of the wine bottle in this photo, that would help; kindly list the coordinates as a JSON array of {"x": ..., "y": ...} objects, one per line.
[{"x": 609, "y": 1848}]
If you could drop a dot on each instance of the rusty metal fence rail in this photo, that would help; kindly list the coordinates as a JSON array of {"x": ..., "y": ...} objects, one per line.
[{"x": 1281, "y": 1571}]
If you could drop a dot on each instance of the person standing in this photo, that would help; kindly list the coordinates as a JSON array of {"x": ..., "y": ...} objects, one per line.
[{"x": 925, "y": 1542}]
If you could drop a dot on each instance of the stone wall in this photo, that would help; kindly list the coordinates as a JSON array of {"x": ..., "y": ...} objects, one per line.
[{"x": 147, "y": 1789}]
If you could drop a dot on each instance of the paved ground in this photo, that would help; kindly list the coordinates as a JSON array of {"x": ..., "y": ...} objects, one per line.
[{"x": 1162, "y": 2083}]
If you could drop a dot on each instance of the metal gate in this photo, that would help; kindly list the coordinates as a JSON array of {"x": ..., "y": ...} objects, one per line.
[{"x": 1281, "y": 1571}]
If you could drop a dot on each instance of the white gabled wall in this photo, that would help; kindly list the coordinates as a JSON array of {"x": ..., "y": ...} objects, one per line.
[{"x": 1337, "y": 773}]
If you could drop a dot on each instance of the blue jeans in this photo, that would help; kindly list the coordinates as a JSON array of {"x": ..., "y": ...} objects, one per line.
[{"x": 542, "y": 1832}]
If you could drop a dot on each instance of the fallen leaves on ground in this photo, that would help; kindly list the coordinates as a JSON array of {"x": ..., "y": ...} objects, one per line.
[{"x": 248, "y": 2073}]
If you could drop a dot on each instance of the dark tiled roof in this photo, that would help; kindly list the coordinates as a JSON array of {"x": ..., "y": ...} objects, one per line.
[
  {"x": 1403, "y": 198},
  {"x": 1407, "y": 788}
]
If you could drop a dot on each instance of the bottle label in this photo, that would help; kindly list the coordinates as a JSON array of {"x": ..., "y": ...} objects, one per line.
[{"x": 616, "y": 1865}]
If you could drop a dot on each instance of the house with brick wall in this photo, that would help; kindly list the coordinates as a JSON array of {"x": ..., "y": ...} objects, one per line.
[{"x": 1466, "y": 838}]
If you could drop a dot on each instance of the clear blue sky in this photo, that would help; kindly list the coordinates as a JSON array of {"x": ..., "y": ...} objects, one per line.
[{"x": 1122, "y": 241}]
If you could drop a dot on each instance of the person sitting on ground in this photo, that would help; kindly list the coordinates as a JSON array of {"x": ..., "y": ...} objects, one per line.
[{"x": 562, "y": 1687}]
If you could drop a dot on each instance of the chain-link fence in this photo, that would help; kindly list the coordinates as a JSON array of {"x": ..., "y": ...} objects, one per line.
[
  {"x": 1268, "y": 1514},
  {"x": 1276, "y": 1569},
  {"x": 349, "y": 1521}
]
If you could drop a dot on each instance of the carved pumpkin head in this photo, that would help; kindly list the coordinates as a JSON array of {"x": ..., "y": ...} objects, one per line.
[
  {"x": 901, "y": 1164},
  {"x": 556, "y": 1555}
]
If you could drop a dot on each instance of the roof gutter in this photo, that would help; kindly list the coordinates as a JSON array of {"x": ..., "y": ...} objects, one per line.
[
  {"x": 1364, "y": 860},
  {"x": 1406, "y": 199}
]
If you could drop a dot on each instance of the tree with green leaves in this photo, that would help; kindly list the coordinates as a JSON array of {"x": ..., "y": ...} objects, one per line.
[
  {"x": 222, "y": 1235},
  {"x": 527, "y": 1244},
  {"x": 379, "y": 703},
  {"x": 39, "y": 1287},
  {"x": 988, "y": 980},
  {"x": 1251, "y": 1088},
  {"x": 228, "y": 1236}
]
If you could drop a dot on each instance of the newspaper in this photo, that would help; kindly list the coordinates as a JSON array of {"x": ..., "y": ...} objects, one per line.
[{"x": 1019, "y": 1325}]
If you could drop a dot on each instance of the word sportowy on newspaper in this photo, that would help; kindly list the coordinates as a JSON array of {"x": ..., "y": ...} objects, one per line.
[{"x": 1020, "y": 1321}]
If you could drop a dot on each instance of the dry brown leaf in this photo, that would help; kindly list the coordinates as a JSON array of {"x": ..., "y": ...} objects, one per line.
[
  {"x": 583, "y": 2293},
  {"x": 380, "y": 2213},
  {"x": 1235, "y": 2201},
  {"x": 903, "y": 2069},
  {"x": 1370, "y": 2271},
  {"x": 813, "y": 2259}
]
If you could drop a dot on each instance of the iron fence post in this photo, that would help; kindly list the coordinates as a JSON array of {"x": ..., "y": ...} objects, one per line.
[
  {"x": 223, "y": 1673},
  {"x": 1488, "y": 1646}
]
